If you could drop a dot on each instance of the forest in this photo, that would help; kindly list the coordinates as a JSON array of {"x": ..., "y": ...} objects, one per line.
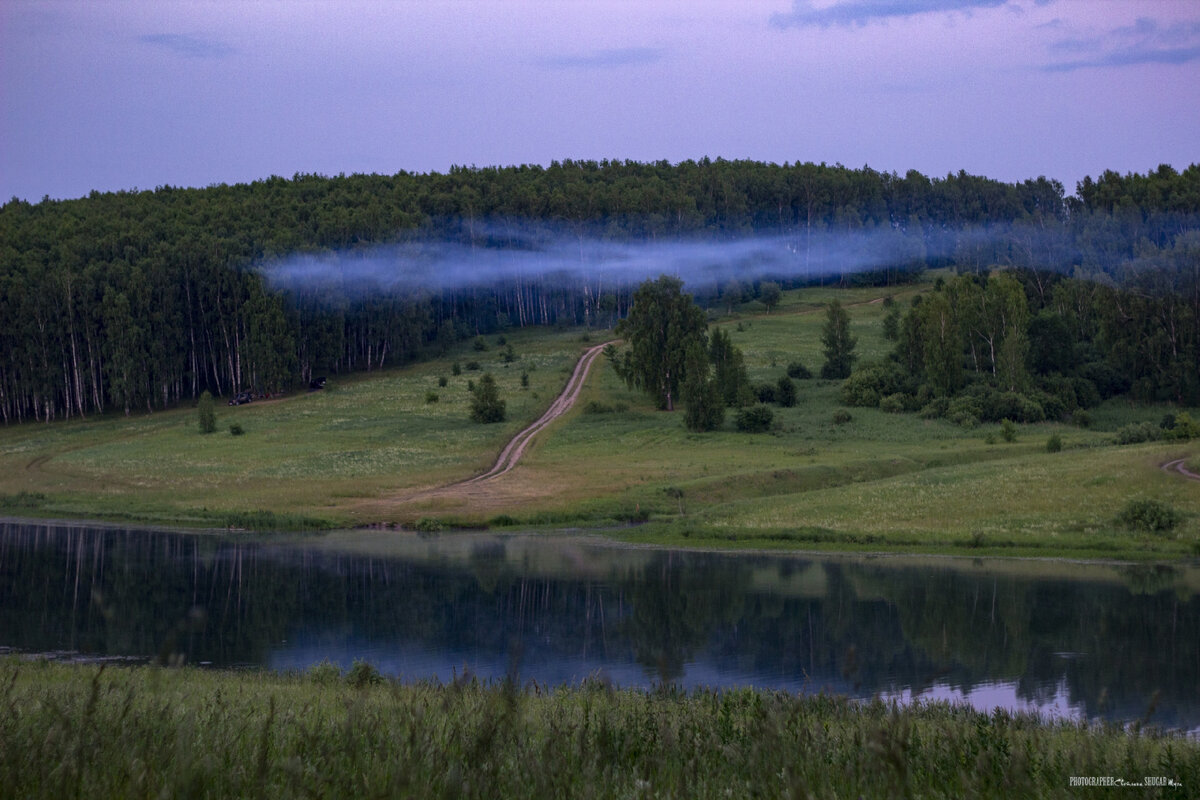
[{"x": 146, "y": 299}]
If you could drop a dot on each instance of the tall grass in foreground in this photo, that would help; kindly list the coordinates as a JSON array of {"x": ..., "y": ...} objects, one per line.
[{"x": 144, "y": 732}]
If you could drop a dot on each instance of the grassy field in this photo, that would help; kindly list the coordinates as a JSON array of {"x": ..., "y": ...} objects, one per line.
[
  {"x": 152, "y": 732},
  {"x": 361, "y": 451}
]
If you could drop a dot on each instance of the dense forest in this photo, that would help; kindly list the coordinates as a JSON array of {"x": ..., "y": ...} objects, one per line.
[{"x": 144, "y": 299}]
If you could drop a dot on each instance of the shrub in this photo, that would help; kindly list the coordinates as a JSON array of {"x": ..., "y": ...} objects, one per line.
[
  {"x": 503, "y": 521},
  {"x": 1149, "y": 515},
  {"x": 236, "y": 429},
  {"x": 524, "y": 380},
  {"x": 456, "y": 368},
  {"x": 756, "y": 419},
  {"x": 1185, "y": 427},
  {"x": 785, "y": 392},
  {"x": 935, "y": 408},
  {"x": 1054, "y": 443},
  {"x": 205, "y": 413},
  {"x": 479, "y": 345},
  {"x": 1082, "y": 418},
  {"x": 501, "y": 340},
  {"x": 363, "y": 674},
  {"x": 428, "y": 525},
  {"x": 509, "y": 355},
  {"x": 765, "y": 392},
  {"x": 798, "y": 371},
  {"x": 1137, "y": 432},
  {"x": 893, "y": 403},
  {"x": 841, "y": 417},
  {"x": 1008, "y": 431},
  {"x": 965, "y": 410},
  {"x": 472, "y": 366},
  {"x": 431, "y": 397},
  {"x": 325, "y": 674},
  {"x": 872, "y": 381},
  {"x": 442, "y": 381}
]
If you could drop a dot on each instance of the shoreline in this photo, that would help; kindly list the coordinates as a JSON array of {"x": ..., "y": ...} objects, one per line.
[{"x": 596, "y": 536}]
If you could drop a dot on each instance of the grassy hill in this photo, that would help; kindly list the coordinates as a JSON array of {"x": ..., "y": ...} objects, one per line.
[{"x": 364, "y": 450}]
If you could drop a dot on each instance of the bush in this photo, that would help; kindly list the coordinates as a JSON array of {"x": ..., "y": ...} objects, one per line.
[
  {"x": 1082, "y": 418},
  {"x": 1054, "y": 443},
  {"x": 325, "y": 674},
  {"x": 841, "y": 417},
  {"x": 872, "y": 381},
  {"x": 1185, "y": 427},
  {"x": 765, "y": 392},
  {"x": 756, "y": 419},
  {"x": 509, "y": 355},
  {"x": 893, "y": 403},
  {"x": 935, "y": 408},
  {"x": 785, "y": 392},
  {"x": 236, "y": 429},
  {"x": 428, "y": 525},
  {"x": 798, "y": 371},
  {"x": 965, "y": 410},
  {"x": 205, "y": 412},
  {"x": 1008, "y": 431},
  {"x": 1149, "y": 515},
  {"x": 524, "y": 380},
  {"x": 479, "y": 345},
  {"x": 431, "y": 397},
  {"x": 442, "y": 381},
  {"x": 363, "y": 674},
  {"x": 456, "y": 368},
  {"x": 472, "y": 366},
  {"x": 1137, "y": 432}
]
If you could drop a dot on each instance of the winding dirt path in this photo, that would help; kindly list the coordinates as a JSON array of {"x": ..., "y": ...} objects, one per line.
[
  {"x": 1180, "y": 465},
  {"x": 512, "y": 452}
]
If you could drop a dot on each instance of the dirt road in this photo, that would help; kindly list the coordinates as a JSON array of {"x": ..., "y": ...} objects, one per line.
[
  {"x": 512, "y": 452},
  {"x": 1180, "y": 465}
]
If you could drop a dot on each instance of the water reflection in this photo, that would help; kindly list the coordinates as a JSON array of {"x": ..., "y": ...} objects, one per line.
[{"x": 1075, "y": 640}]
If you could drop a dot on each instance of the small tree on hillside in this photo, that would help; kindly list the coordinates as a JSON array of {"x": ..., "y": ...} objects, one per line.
[
  {"x": 770, "y": 294},
  {"x": 701, "y": 394},
  {"x": 839, "y": 344},
  {"x": 205, "y": 413},
  {"x": 486, "y": 405}
]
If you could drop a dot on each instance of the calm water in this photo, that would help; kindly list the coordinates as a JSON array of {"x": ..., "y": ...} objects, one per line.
[{"x": 1072, "y": 640}]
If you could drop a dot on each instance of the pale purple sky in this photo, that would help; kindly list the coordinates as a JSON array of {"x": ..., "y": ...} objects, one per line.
[{"x": 120, "y": 95}]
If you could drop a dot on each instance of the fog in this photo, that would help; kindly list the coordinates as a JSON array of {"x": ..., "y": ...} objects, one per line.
[{"x": 496, "y": 254}]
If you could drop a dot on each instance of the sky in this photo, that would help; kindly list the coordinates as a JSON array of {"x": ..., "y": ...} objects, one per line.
[{"x": 109, "y": 95}]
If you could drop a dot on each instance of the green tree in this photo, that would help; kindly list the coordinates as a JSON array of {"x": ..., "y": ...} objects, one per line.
[
  {"x": 943, "y": 345},
  {"x": 662, "y": 323},
  {"x": 770, "y": 294},
  {"x": 486, "y": 405},
  {"x": 838, "y": 343},
  {"x": 705, "y": 407},
  {"x": 205, "y": 412},
  {"x": 729, "y": 368}
]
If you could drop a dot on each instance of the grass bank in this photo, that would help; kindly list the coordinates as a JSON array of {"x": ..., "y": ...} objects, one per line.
[
  {"x": 361, "y": 452},
  {"x": 70, "y": 731}
]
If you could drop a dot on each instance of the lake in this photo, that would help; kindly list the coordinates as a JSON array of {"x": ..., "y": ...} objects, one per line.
[{"x": 1075, "y": 640}]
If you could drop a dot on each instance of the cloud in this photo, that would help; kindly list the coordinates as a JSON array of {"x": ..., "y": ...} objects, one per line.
[
  {"x": 862, "y": 12},
  {"x": 187, "y": 46},
  {"x": 1143, "y": 42},
  {"x": 606, "y": 59}
]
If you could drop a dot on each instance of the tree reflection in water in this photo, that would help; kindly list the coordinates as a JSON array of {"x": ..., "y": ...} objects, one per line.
[{"x": 1105, "y": 640}]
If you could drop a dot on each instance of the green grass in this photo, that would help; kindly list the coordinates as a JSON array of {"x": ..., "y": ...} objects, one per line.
[
  {"x": 357, "y": 452},
  {"x": 71, "y": 731}
]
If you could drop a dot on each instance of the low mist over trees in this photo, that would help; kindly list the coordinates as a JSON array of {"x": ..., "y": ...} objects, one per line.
[{"x": 139, "y": 300}]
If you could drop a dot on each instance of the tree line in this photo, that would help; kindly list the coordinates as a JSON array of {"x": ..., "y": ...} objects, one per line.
[{"x": 145, "y": 299}]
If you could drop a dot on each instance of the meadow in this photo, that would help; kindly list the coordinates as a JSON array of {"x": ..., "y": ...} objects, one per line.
[
  {"x": 153, "y": 732},
  {"x": 363, "y": 451}
]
